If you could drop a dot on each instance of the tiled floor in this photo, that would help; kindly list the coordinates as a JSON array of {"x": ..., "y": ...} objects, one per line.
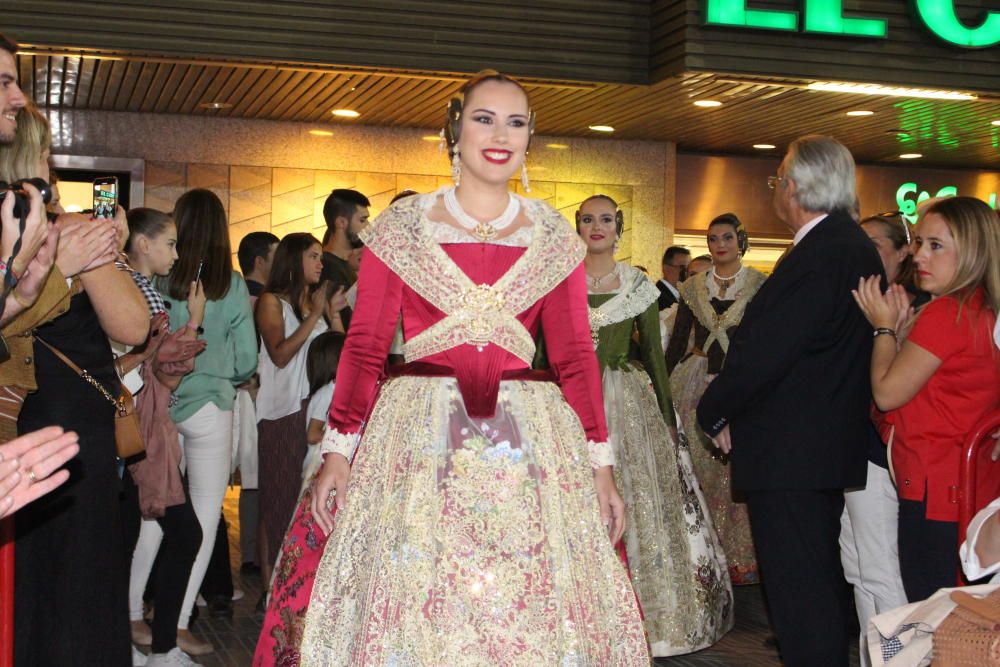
[{"x": 235, "y": 638}]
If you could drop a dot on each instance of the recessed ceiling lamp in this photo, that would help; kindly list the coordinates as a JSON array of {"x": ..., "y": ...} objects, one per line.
[
  {"x": 995, "y": 122},
  {"x": 764, "y": 147},
  {"x": 889, "y": 91},
  {"x": 708, "y": 104},
  {"x": 911, "y": 156},
  {"x": 345, "y": 113},
  {"x": 558, "y": 147},
  {"x": 321, "y": 133},
  {"x": 431, "y": 137},
  {"x": 860, "y": 112},
  {"x": 215, "y": 105},
  {"x": 601, "y": 128}
]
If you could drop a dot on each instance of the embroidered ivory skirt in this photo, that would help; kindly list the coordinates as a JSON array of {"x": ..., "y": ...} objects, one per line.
[
  {"x": 471, "y": 541},
  {"x": 677, "y": 565}
]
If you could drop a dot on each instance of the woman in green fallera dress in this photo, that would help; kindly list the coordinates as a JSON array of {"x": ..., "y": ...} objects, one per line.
[{"x": 677, "y": 566}]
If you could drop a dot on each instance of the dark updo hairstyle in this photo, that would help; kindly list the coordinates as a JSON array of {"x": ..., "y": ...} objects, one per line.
[
  {"x": 619, "y": 216},
  {"x": 322, "y": 359},
  {"x": 742, "y": 240},
  {"x": 453, "y": 119},
  {"x": 898, "y": 234},
  {"x": 147, "y": 222},
  {"x": 287, "y": 278}
]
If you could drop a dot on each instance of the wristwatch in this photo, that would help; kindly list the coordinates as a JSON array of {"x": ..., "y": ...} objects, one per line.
[{"x": 199, "y": 329}]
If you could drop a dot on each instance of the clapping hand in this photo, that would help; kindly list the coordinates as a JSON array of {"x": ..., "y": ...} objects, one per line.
[
  {"x": 883, "y": 311},
  {"x": 28, "y": 466},
  {"x": 36, "y": 230}
]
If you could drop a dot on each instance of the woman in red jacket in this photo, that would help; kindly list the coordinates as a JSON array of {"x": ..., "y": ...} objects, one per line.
[{"x": 940, "y": 381}]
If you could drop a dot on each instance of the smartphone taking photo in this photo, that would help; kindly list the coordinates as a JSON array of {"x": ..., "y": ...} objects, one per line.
[{"x": 105, "y": 197}]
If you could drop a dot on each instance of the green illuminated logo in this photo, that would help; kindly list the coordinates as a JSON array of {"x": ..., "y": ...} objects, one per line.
[
  {"x": 827, "y": 17},
  {"x": 908, "y": 199},
  {"x": 940, "y": 18}
]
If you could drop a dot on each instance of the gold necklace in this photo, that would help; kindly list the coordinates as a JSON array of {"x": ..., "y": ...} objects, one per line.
[{"x": 595, "y": 283}]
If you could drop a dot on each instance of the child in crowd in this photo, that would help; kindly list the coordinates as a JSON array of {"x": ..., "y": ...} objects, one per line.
[{"x": 321, "y": 371}]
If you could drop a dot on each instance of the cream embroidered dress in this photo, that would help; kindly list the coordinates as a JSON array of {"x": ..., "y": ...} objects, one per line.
[
  {"x": 677, "y": 565},
  {"x": 472, "y": 533},
  {"x": 706, "y": 318}
]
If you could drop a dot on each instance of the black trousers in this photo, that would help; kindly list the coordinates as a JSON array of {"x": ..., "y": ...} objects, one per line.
[
  {"x": 928, "y": 551},
  {"x": 181, "y": 541},
  {"x": 796, "y": 534},
  {"x": 218, "y": 581}
]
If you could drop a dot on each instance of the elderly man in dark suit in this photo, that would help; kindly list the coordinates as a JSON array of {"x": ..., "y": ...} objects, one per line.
[{"x": 792, "y": 402}]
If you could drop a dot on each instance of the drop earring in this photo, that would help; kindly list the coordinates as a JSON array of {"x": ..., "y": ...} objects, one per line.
[
  {"x": 456, "y": 168},
  {"x": 524, "y": 175}
]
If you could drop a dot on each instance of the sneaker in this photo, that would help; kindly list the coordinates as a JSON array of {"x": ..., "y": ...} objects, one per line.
[
  {"x": 191, "y": 645},
  {"x": 174, "y": 658},
  {"x": 139, "y": 659}
]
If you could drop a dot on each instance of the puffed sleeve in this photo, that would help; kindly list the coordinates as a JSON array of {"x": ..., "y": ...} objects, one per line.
[
  {"x": 373, "y": 324},
  {"x": 651, "y": 351},
  {"x": 679, "y": 338},
  {"x": 570, "y": 351}
]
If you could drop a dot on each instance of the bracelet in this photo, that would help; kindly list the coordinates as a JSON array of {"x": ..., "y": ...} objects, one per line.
[
  {"x": 885, "y": 331},
  {"x": 196, "y": 329}
]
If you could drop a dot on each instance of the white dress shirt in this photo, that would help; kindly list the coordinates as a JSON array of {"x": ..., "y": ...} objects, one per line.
[{"x": 806, "y": 228}]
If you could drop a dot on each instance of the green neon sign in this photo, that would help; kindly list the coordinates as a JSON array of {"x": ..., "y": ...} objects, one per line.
[
  {"x": 827, "y": 17},
  {"x": 909, "y": 197},
  {"x": 940, "y": 18}
]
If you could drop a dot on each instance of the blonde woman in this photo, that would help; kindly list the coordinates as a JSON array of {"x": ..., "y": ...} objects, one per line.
[{"x": 940, "y": 380}]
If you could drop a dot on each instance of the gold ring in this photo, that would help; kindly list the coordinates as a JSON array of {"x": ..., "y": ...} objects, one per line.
[{"x": 31, "y": 475}]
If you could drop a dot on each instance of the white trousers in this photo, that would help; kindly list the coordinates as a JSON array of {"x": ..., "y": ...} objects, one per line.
[
  {"x": 206, "y": 441},
  {"x": 869, "y": 549}
]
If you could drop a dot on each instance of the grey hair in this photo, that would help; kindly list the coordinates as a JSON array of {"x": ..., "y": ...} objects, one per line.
[{"x": 823, "y": 171}]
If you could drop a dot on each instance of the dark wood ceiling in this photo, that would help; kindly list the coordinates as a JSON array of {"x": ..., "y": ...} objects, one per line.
[{"x": 772, "y": 111}]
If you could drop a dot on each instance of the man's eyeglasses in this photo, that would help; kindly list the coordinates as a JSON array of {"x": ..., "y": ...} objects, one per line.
[{"x": 772, "y": 181}]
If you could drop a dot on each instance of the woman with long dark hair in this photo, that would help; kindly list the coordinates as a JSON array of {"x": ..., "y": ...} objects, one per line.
[
  {"x": 203, "y": 401},
  {"x": 292, "y": 311}
]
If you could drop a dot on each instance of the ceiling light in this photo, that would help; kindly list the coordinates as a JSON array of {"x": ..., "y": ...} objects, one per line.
[
  {"x": 558, "y": 147},
  {"x": 432, "y": 137},
  {"x": 601, "y": 128},
  {"x": 345, "y": 113},
  {"x": 764, "y": 147},
  {"x": 215, "y": 105},
  {"x": 860, "y": 112},
  {"x": 996, "y": 122},
  {"x": 889, "y": 91},
  {"x": 708, "y": 104},
  {"x": 911, "y": 156},
  {"x": 321, "y": 133}
]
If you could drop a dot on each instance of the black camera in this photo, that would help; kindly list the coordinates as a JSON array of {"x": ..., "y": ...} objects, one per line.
[{"x": 21, "y": 203}]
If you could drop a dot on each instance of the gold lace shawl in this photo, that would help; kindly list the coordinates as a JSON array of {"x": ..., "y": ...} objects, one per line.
[
  {"x": 695, "y": 294},
  {"x": 482, "y": 314},
  {"x": 635, "y": 294}
]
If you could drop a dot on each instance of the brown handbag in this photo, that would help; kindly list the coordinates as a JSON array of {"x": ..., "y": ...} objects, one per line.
[{"x": 128, "y": 435}]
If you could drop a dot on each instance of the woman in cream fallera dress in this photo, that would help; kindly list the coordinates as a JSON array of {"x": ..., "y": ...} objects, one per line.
[
  {"x": 710, "y": 310},
  {"x": 472, "y": 530},
  {"x": 676, "y": 563}
]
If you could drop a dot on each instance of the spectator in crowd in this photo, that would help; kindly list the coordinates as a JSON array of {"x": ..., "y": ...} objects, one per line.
[
  {"x": 255, "y": 254},
  {"x": 791, "y": 402},
  {"x": 293, "y": 310},
  {"x": 674, "y": 266},
  {"x": 204, "y": 399},
  {"x": 868, "y": 542},
  {"x": 71, "y": 540},
  {"x": 699, "y": 264},
  {"x": 942, "y": 379},
  {"x": 346, "y": 214},
  {"x": 160, "y": 523}
]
